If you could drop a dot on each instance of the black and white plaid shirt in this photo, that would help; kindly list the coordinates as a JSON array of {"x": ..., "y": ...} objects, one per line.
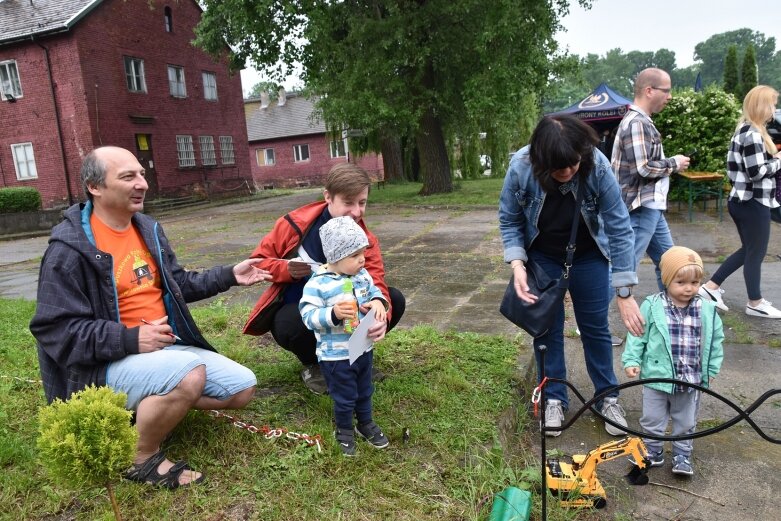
[{"x": 751, "y": 168}]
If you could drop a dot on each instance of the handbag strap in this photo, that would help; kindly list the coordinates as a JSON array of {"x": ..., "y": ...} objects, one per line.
[{"x": 574, "y": 232}]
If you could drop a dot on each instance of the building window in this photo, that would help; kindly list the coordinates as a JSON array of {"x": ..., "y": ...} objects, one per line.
[
  {"x": 226, "y": 150},
  {"x": 265, "y": 157},
  {"x": 300, "y": 153},
  {"x": 208, "y": 156},
  {"x": 169, "y": 20},
  {"x": 176, "y": 82},
  {"x": 134, "y": 74},
  {"x": 209, "y": 86},
  {"x": 338, "y": 148},
  {"x": 24, "y": 161},
  {"x": 185, "y": 151},
  {"x": 10, "y": 86}
]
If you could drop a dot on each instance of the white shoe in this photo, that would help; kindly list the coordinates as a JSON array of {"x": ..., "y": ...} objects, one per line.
[
  {"x": 612, "y": 411},
  {"x": 764, "y": 309},
  {"x": 554, "y": 415},
  {"x": 714, "y": 295}
]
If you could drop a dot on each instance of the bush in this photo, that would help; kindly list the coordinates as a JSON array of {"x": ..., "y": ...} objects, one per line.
[
  {"x": 19, "y": 199},
  {"x": 702, "y": 121}
]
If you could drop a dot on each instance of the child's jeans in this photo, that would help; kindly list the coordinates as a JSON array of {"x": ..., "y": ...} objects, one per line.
[
  {"x": 350, "y": 387},
  {"x": 659, "y": 407}
]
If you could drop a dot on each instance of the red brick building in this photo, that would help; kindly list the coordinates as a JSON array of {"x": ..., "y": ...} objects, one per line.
[
  {"x": 288, "y": 147},
  {"x": 77, "y": 74}
]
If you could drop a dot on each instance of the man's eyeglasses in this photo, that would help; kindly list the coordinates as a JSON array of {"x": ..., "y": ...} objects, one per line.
[{"x": 666, "y": 91}]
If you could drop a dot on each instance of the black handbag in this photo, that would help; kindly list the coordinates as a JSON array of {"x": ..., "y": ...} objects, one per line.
[{"x": 536, "y": 319}]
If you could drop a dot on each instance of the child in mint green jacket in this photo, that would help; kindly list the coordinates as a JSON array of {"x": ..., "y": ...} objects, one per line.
[{"x": 682, "y": 340}]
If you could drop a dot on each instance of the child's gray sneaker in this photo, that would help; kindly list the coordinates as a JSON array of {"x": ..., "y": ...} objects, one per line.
[
  {"x": 682, "y": 465},
  {"x": 372, "y": 433},
  {"x": 346, "y": 441}
]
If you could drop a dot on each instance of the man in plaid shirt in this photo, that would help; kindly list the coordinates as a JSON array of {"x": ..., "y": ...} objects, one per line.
[{"x": 643, "y": 171}]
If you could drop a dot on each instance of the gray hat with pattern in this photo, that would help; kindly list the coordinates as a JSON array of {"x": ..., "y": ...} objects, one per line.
[{"x": 341, "y": 237}]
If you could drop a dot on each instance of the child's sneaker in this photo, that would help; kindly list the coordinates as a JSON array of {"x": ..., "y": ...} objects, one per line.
[
  {"x": 372, "y": 433},
  {"x": 655, "y": 459},
  {"x": 682, "y": 465},
  {"x": 346, "y": 441}
]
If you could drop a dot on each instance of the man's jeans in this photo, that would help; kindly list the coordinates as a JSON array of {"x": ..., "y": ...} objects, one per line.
[
  {"x": 590, "y": 292},
  {"x": 652, "y": 236}
]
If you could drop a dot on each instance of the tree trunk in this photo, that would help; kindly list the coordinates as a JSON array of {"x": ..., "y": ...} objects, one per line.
[
  {"x": 392, "y": 158},
  {"x": 433, "y": 156}
]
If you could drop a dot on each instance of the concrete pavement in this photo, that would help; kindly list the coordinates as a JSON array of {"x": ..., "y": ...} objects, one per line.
[{"x": 448, "y": 262}]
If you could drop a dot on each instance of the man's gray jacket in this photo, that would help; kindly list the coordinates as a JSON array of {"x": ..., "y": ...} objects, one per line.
[{"x": 77, "y": 322}]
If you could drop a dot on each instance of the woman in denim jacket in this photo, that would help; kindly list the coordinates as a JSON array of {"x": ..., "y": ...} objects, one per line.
[{"x": 536, "y": 208}]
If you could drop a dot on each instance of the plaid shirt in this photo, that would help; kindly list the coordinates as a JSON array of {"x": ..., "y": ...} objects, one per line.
[
  {"x": 685, "y": 326},
  {"x": 752, "y": 170},
  {"x": 639, "y": 163}
]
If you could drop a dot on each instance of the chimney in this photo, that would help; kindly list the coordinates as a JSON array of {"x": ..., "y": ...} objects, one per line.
[
  {"x": 264, "y": 99},
  {"x": 281, "y": 99}
]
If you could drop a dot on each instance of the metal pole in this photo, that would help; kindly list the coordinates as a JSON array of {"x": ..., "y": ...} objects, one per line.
[{"x": 543, "y": 477}]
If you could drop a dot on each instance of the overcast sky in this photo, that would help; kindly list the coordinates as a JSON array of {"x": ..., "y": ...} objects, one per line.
[{"x": 631, "y": 25}]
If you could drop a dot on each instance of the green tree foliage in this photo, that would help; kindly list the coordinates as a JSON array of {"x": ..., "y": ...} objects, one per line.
[
  {"x": 748, "y": 72},
  {"x": 265, "y": 86},
  {"x": 731, "y": 70},
  {"x": 712, "y": 51},
  {"x": 88, "y": 440},
  {"x": 429, "y": 69}
]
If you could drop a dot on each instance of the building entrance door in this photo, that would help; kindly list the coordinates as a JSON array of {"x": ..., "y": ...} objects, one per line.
[{"x": 145, "y": 156}]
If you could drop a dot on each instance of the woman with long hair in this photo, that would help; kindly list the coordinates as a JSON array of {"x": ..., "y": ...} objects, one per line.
[
  {"x": 752, "y": 167},
  {"x": 536, "y": 210}
]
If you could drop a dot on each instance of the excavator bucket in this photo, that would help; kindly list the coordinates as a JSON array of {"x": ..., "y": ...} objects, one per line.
[{"x": 638, "y": 476}]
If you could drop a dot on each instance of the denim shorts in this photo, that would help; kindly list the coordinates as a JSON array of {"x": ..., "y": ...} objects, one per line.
[{"x": 158, "y": 373}]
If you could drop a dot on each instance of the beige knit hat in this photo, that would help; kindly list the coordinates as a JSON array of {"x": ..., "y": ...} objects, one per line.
[{"x": 676, "y": 258}]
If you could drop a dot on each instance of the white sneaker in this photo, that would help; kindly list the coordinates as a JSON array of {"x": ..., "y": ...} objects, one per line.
[
  {"x": 764, "y": 309},
  {"x": 612, "y": 411},
  {"x": 713, "y": 295},
  {"x": 554, "y": 415}
]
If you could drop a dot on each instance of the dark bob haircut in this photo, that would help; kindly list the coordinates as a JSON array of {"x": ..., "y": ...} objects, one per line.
[{"x": 560, "y": 142}]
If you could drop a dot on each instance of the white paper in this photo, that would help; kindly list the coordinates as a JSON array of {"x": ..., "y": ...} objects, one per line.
[{"x": 359, "y": 341}]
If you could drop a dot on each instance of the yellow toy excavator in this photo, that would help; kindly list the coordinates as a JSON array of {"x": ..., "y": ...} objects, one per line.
[{"x": 576, "y": 484}]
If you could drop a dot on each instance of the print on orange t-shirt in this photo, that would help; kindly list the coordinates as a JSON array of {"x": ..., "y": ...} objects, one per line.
[{"x": 135, "y": 273}]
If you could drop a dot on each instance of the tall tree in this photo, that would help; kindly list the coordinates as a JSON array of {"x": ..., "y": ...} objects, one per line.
[
  {"x": 713, "y": 51},
  {"x": 415, "y": 68},
  {"x": 748, "y": 72},
  {"x": 731, "y": 70}
]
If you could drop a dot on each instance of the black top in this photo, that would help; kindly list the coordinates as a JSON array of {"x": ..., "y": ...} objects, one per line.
[{"x": 555, "y": 225}]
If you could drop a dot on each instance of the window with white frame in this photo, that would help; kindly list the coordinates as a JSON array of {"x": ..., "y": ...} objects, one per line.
[
  {"x": 208, "y": 157},
  {"x": 10, "y": 86},
  {"x": 226, "y": 150},
  {"x": 300, "y": 153},
  {"x": 176, "y": 81},
  {"x": 265, "y": 157},
  {"x": 134, "y": 74},
  {"x": 185, "y": 151},
  {"x": 209, "y": 86},
  {"x": 24, "y": 161},
  {"x": 338, "y": 148}
]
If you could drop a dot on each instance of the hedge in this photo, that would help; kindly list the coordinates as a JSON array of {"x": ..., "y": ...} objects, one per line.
[{"x": 19, "y": 199}]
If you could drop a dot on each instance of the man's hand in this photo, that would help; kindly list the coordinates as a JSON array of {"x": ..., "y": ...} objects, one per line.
[
  {"x": 522, "y": 286},
  {"x": 682, "y": 162},
  {"x": 247, "y": 273},
  {"x": 631, "y": 316},
  {"x": 632, "y": 371},
  {"x": 298, "y": 269},
  {"x": 155, "y": 335},
  {"x": 377, "y": 331}
]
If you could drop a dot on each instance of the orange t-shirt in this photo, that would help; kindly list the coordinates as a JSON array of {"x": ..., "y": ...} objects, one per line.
[{"x": 135, "y": 273}]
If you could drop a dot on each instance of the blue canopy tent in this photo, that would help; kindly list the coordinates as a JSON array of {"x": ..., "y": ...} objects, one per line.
[
  {"x": 603, "y": 109},
  {"x": 602, "y": 105}
]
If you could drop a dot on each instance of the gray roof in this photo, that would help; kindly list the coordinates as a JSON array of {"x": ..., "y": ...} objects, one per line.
[
  {"x": 291, "y": 119},
  {"x": 20, "y": 19}
]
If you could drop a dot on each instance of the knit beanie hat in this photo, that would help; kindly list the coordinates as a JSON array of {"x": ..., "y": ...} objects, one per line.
[
  {"x": 341, "y": 237},
  {"x": 676, "y": 258}
]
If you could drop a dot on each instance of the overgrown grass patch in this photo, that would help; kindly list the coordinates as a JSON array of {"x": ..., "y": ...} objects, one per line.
[
  {"x": 448, "y": 389},
  {"x": 465, "y": 192}
]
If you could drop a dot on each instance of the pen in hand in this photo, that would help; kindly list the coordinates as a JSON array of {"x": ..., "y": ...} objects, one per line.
[{"x": 148, "y": 323}]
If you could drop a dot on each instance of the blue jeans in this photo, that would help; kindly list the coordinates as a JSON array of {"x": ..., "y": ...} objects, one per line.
[
  {"x": 590, "y": 292},
  {"x": 351, "y": 388},
  {"x": 652, "y": 236}
]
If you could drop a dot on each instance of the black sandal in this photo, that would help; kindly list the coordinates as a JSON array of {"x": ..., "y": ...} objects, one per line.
[{"x": 147, "y": 473}]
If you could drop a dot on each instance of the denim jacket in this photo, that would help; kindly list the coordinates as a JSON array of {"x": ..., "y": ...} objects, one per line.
[{"x": 603, "y": 210}]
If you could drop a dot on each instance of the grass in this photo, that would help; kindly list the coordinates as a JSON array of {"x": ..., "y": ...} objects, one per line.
[
  {"x": 467, "y": 192},
  {"x": 450, "y": 390}
]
